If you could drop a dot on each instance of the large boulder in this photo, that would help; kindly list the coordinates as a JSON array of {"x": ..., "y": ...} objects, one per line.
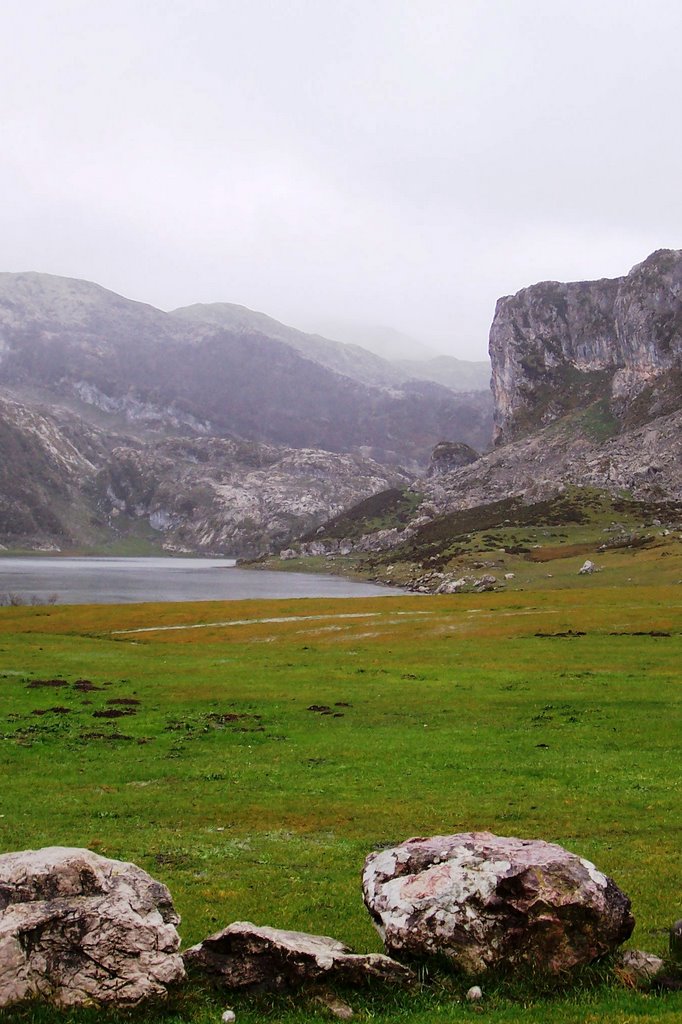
[
  {"x": 77, "y": 928},
  {"x": 485, "y": 901},
  {"x": 245, "y": 956}
]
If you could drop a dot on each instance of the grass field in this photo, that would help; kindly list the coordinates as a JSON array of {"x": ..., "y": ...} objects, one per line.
[{"x": 445, "y": 714}]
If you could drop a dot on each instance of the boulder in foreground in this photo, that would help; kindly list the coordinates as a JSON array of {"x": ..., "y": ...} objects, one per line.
[
  {"x": 485, "y": 901},
  {"x": 245, "y": 956},
  {"x": 77, "y": 929}
]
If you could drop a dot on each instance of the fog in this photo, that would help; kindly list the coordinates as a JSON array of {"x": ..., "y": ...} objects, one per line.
[{"x": 395, "y": 164}]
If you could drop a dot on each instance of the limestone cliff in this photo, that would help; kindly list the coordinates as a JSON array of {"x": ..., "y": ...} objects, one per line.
[{"x": 558, "y": 347}]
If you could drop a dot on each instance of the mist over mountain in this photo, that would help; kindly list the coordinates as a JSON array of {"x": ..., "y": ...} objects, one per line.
[
  {"x": 77, "y": 339},
  {"x": 411, "y": 357},
  {"x": 135, "y": 377}
]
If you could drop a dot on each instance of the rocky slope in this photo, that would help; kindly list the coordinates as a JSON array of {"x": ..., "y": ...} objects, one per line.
[
  {"x": 75, "y": 340},
  {"x": 232, "y": 497},
  {"x": 67, "y": 484},
  {"x": 556, "y": 347},
  {"x": 49, "y": 462}
]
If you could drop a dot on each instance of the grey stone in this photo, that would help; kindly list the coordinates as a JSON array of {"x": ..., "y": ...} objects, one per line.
[
  {"x": 485, "y": 901},
  {"x": 449, "y": 455},
  {"x": 245, "y": 956},
  {"x": 637, "y": 969},
  {"x": 77, "y": 928}
]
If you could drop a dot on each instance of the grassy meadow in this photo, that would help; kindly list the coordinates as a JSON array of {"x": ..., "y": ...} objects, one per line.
[{"x": 250, "y": 754}]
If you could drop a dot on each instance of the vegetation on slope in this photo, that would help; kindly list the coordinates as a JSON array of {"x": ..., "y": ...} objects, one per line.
[
  {"x": 387, "y": 510},
  {"x": 536, "y": 545}
]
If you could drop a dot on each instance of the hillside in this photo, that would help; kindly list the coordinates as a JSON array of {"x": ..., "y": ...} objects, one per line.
[{"x": 68, "y": 485}]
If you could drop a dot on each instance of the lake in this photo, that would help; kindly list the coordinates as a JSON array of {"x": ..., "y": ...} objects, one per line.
[{"x": 123, "y": 580}]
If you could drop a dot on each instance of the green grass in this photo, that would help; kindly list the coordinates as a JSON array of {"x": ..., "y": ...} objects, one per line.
[
  {"x": 459, "y": 717},
  {"x": 384, "y": 511},
  {"x": 543, "y": 545}
]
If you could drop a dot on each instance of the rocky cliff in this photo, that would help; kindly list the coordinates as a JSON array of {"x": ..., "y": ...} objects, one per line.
[
  {"x": 558, "y": 347},
  {"x": 587, "y": 382}
]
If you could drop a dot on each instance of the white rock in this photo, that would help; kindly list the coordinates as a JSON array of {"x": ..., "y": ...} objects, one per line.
[
  {"x": 474, "y": 994},
  {"x": 77, "y": 929}
]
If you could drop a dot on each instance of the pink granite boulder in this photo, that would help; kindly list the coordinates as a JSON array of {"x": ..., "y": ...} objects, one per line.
[{"x": 484, "y": 901}]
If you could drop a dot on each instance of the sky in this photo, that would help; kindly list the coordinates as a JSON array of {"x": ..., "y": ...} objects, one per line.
[{"x": 376, "y": 162}]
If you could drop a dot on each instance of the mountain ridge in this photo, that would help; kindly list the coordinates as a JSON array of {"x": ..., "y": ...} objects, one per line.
[
  {"x": 74, "y": 337},
  {"x": 125, "y": 424}
]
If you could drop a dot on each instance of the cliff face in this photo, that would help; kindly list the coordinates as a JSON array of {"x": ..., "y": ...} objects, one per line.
[{"x": 559, "y": 347}]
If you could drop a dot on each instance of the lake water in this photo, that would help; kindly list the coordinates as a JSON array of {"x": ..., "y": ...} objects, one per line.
[{"x": 123, "y": 580}]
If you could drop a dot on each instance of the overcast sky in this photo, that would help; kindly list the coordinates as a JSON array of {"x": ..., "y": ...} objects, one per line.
[{"x": 380, "y": 161}]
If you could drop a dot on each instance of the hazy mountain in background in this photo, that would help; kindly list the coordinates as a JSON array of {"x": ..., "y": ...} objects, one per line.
[
  {"x": 384, "y": 341},
  {"x": 350, "y": 360},
  {"x": 373, "y": 355},
  {"x": 411, "y": 357},
  {"x": 457, "y": 374},
  {"x": 96, "y": 386},
  {"x": 75, "y": 339}
]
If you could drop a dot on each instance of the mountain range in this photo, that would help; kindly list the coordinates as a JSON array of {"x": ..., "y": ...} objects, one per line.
[{"x": 211, "y": 428}]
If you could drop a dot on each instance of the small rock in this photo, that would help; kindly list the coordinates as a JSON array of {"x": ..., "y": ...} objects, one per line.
[
  {"x": 637, "y": 969},
  {"x": 229, "y": 1016},
  {"x": 474, "y": 994},
  {"x": 587, "y": 568},
  {"x": 337, "y": 1007},
  {"x": 509, "y": 575}
]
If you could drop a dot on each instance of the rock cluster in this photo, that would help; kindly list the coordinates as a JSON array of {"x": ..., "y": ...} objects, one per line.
[{"x": 79, "y": 929}]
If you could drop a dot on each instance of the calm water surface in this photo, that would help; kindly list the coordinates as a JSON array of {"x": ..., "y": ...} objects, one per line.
[{"x": 123, "y": 580}]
